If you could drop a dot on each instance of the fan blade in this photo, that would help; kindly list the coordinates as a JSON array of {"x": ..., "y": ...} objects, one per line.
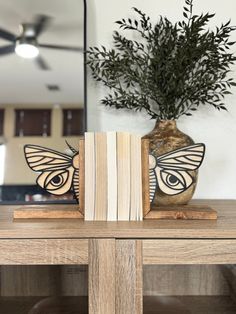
[
  {"x": 76, "y": 49},
  {"x": 42, "y": 64},
  {"x": 41, "y": 22},
  {"x": 7, "y": 50},
  {"x": 7, "y": 35}
]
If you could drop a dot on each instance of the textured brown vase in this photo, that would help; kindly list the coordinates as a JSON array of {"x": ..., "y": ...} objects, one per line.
[{"x": 166, "y": 137}]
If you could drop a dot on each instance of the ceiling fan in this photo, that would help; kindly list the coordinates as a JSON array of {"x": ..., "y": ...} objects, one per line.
[{"x": 26, "y": 45}]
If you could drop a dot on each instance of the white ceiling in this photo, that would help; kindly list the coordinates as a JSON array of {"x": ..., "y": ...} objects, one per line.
[{"x": 21, "y": 81}]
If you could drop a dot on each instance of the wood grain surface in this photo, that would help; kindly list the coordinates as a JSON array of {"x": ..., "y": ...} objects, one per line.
[
  {"x": 44, "y": 252},
  {"x": 102, "y": 276},
  {"x": 229, "y": 273},
  {"x": 175, "y": 252},
  {"x": 44, "y": 280},
  {"x": 45, "y": 213},
  {"x": 224, "y": 227},
  {"x": 186, "y": 212},
  {"x": 129, "y": 288},
  {"x": 175, "y": 280},
  {"x": 41, "y": 242},
  {"x": 72, "y": 280},
  {"x": 30, "y": 280}
]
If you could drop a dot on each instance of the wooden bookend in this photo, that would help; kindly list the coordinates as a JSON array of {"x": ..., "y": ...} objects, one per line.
[
  {"x": 47, "y": 212},
  {"x": 78, "y": 179},
  {"x": 60, "y": 211},
  {"x": 184, "y": 212}
]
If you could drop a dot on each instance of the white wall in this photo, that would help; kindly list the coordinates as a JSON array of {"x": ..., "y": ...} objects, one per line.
[{"x": 216, "y": 129}]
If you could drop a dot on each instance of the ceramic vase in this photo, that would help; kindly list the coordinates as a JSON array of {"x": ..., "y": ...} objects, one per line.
[{"x": 164, "y": 138}]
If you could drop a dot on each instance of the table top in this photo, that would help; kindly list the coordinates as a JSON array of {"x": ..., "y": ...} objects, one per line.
[{"x": 223, "y": 228}]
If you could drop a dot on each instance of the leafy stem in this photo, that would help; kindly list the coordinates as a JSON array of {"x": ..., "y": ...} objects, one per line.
[{"x": 167, "y": 69}]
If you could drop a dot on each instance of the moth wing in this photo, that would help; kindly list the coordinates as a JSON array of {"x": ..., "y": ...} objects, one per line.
[
  {"x": 57, "y": 182},
  {"x": 172, "y": 169},
  {"x": 45, "y": 159},
  {"x": 186, "y": 158},
  {"x": 56, "y": 168}
]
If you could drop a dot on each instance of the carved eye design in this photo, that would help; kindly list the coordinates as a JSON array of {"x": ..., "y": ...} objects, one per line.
[
  {"x": 57, "y": 180},
  {"x": 174, "y": 180},
  {"x": 54, "y": 181}
]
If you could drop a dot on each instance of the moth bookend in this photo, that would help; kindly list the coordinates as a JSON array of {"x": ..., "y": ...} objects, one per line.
[
  {"x": 171, "y": 173},
  {"x": 58, "y": 174}
]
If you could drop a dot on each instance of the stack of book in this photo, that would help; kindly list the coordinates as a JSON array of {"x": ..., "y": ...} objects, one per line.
[{"x": 113, "y": 176}]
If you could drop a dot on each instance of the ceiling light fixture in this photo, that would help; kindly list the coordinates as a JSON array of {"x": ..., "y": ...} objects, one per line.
[{"x": 26, "y": 50}]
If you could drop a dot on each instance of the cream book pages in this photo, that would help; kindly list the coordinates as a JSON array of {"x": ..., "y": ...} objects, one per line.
[
  {"x": 136, "y": 207},
  {"x": 111, "y": 177},
  {"x": 101, "y": 176},
  {"x": 140, "y": 179},
  {"x": 123, "y": 174},
  {"x": 89, "y": 176}
]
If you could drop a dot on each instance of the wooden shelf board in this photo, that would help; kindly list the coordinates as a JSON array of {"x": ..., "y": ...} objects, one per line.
[
  {"x": 222, "y": 228},
  {"x": 184, "y": 212},
  {"x": 44, "y": 212}
]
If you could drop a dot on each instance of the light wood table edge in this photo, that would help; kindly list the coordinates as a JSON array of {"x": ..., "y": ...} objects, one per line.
[
  {"x": 44, "y": 252},
  {"x": 189, "y": 251}
]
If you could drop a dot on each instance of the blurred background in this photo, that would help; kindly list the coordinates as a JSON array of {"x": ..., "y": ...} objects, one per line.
[{"x": 42, "y": 95}]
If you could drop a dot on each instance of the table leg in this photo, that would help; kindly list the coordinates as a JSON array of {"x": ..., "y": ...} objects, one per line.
[
  {"x": 129, "y": 278},
  {"x": 102, "y": 276}
]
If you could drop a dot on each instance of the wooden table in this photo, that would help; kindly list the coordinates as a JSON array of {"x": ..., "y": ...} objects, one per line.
[{"x": 116, "y": 251}]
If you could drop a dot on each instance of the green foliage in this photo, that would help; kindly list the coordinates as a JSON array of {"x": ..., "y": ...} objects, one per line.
[{"x": 171, "y": 69}]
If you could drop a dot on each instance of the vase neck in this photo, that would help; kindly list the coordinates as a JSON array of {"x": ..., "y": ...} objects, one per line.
[{"x": 165, "y": 124}]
